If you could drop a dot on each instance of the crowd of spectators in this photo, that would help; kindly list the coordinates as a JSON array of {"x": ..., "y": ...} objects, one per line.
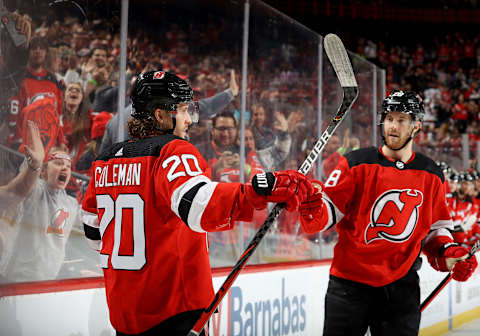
[
  {"x": 69, "y": 88},
  {"x": 446, "y": 74}
]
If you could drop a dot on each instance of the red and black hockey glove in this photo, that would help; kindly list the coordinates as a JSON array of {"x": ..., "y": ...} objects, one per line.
[
  {"x": 312, "y": 210},
  {"x": 287, "y": 186},
  {"x": 454, "y": 258}
]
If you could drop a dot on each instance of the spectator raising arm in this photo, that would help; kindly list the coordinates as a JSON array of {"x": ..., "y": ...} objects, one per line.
[
  {"x": 22, "y": 184},
  {"x": 211, "y": 106},
  {"x": 207, "y": 108}
]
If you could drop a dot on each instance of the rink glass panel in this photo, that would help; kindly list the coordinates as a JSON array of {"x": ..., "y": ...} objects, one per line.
[{"x": 287, "y": 73}]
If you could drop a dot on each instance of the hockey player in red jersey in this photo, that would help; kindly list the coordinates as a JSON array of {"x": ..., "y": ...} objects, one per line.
[
  {"x": 386, "y": 203},
  {"x": 463, "y": 209},
  {"x": 149, "y": 205},
  {"x": 474, "y": 233}
]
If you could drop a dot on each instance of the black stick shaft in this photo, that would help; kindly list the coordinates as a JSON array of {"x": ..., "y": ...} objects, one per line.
[
  {"x": 349, "y": 96},
  {"x": 445, "y": 280},
  {"x": 341, "y": 64}
]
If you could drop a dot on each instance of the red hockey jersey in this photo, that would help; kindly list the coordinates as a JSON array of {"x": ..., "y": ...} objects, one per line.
[
  {"x": 464, "y": 212},
  {"x": 155, "y": 202},
  {"x": 35, "y": 87},
  {"x": 384, "y": 210}
]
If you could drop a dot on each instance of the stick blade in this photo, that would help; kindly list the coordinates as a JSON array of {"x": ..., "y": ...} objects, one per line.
[{"x": 339, "y": 58}]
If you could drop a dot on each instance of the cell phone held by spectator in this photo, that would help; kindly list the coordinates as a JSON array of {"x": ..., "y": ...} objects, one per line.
[{"x": 8, "y": 24}]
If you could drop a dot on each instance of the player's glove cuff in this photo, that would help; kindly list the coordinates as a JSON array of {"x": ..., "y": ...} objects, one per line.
[{"x": 287, "y": 186}]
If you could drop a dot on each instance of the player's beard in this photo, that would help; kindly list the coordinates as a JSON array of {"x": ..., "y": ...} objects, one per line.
[{"x": 396, "y": 142}]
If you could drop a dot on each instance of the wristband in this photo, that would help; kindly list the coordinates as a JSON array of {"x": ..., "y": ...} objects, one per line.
[{"x": 93, "y": 81}]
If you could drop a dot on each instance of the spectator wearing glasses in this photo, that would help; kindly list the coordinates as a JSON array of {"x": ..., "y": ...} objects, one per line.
[{"x": 222, "y": 151}]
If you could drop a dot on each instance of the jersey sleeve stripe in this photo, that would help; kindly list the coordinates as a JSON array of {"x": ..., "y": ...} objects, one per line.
[
  {"x": 91, "y": 233},
  {"x": 90, "y": 219},
  {"x": 437, "y": 233},
  {"x": 442, "y": 224},
  {"x": 95, "y": 244},
  {"x": 186, "y": 202},
  {"x": 199, "y": 205},
  {"x": 91, "y": 228},
  {"x": 334, "y": 215},
  {"x": 199, "y": 200}
]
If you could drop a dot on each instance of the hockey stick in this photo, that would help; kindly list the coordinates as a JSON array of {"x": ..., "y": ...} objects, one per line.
[
  {"x": 446, "y": 280},
  {"x": 339, "y": 59}
]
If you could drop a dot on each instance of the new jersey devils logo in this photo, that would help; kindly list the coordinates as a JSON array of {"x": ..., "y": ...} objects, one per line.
[
  {"x": 394, "y": 216},
  {"x": 58, "y": 222},
  {"x": 159, "y": 75}
]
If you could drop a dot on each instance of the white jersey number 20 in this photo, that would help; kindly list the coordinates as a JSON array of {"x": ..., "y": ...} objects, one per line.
[
  {"x": 114, "y": 209},
  {"x": 184, "y": 159}
]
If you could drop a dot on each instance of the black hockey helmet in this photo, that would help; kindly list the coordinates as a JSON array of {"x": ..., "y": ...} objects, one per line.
[
  {"x": 403, "y": 101},
  {"x": 454, "y": 177},
  {"x": 164, "y": 89},
  {"x": 443, "y": 166},
  {"x": 466, "y": 177}
]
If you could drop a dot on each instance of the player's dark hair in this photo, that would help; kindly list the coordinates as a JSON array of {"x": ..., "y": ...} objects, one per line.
[
  {"x": 144, "y": 128},
  {"x": 140, "y": 129}
]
